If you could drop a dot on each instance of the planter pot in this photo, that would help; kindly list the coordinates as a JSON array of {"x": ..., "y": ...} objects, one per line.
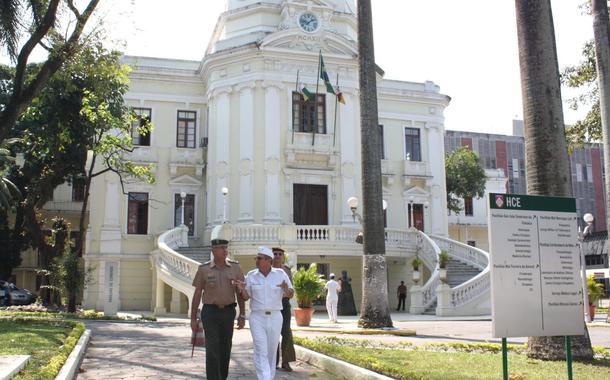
[
  {"x": 443, "y": 275},
  {"x": 303, "y": 315},
  {"x": 416, "y": 276},
  {"x": 592, "y": 312}
]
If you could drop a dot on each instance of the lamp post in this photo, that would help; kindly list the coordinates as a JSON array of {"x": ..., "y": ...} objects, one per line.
[
  {"x": 183, "y": 198},
  {"x": 352, "y": 203},
  {"x": 426, "y": 205},
  {"x": 411, "y": 199},
  {"x": 225, "y": 192},
  {"x": 588, "y": 218}
]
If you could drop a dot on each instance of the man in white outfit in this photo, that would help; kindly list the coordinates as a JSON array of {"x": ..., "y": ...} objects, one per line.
[
  {"x": 265, "y": 286},
  {"x": 332, "y": 297}
]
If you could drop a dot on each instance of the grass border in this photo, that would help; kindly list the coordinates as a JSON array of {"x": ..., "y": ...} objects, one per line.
[{"x": 57, "y": 361}]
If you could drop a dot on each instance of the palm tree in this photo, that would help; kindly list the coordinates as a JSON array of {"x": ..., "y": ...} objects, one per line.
[
  {"x": 9, "y": 193},
  {"x": 601, "y": 32},
  {"x": 9, "y": 25},
  {"x": 375, "y": 310},
  {"x": 547, "y": 163}
]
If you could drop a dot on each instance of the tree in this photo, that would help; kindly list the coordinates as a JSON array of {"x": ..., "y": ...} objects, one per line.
[
  {"x": 601, "y": 33},
  {"x": 375, "y": 310},
  {"x": 42, "y": 29},
  {"x": 79, "y": 126},
  {"x": 547, "y": 163},
  {"x": 465, "y": 177}
]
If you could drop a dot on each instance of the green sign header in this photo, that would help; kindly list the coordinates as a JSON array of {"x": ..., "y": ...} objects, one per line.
[{"x": 531, "y": 203}]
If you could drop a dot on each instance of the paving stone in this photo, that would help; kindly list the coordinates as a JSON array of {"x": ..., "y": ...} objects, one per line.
[{"x": 162, "y": 350}]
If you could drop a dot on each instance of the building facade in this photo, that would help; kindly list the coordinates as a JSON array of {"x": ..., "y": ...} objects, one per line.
[{"x": 233, "y": 135}]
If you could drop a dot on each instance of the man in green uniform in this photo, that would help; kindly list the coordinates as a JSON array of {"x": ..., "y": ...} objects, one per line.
[{"x": 217, "y": 280}]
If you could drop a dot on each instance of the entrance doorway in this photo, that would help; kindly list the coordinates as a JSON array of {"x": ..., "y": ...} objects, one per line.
[
  {"x": 310, "y": 204},
  {"x": 418, "y": 215}
]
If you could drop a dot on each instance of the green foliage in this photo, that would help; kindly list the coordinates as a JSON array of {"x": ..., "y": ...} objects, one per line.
[
  {"x": 308, "y": 285},
  {"x": 595, "y": 289},
  {"x": 443, "y": 259},
  {"x": 49, "y": 342},
  {"x": 89, "y": 314},
  {"x": 416, "y": 263},
  {"x": 465, "y": 177},
  {"x": 9, "y": 193}
]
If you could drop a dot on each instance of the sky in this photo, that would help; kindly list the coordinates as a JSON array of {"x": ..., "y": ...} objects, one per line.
[{"x": 468, "y": 48}]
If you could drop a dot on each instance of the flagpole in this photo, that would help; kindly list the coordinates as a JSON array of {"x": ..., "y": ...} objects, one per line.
[
  {"x": 296, "y": 86},
  {"x": 336, "y": 106},
  {"x": 315, "y": 114}
]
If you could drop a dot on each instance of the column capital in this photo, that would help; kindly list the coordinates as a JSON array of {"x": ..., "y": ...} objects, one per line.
[
  {"x": 245, "y": 86},
  {"x": 273, "y": 84}
]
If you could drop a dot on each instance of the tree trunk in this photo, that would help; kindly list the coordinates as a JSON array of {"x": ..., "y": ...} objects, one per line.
[
  {"x": 601, "y": 33},
  {"x": 375, "y": 310},
  {"x": 547, "y": 162}
]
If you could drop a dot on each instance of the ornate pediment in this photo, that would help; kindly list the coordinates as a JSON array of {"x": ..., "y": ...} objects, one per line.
[
  {"x": 295, "y": 40},
  {"x": 185, "y": 180}
]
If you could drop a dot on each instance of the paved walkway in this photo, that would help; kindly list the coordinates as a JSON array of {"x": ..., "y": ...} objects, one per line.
[{"x": 162, "y": 350}]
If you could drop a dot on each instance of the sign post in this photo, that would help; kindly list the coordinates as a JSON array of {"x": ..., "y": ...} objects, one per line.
[{"x": 535, "y": 280}]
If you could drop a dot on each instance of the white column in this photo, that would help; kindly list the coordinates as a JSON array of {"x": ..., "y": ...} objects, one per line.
[
  {"x": 160, "y": 298},
  {"x": 222, "y": 115},
  {"x": 111, "y": 288},
  {"x": 110, "y": 233},
  {"x": 272, "y": 152},
  {"x": 176, "y": 302},
  {"x": 348, "y": 132},
  {"x": 438, "y": 201},
  {"x": 246, "y": 151}
]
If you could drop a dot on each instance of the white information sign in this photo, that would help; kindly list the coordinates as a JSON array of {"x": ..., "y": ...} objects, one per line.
[{"x": 535, "y": 277}]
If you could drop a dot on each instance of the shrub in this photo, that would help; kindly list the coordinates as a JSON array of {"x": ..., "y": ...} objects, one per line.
[{"x": 308, "y": 285}]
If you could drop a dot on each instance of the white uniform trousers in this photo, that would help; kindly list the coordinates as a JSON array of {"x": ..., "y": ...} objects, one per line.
[
  {"x": 265, "y": 330},
  {"x": 331, "y": 308}
]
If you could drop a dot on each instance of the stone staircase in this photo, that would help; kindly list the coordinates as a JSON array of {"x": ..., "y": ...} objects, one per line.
[
  {"x": 457, "y": 273},
  {"x": 200, "y": 254}
]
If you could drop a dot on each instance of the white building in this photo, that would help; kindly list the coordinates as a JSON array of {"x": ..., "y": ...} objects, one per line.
[{"x": 234, "y": 122}]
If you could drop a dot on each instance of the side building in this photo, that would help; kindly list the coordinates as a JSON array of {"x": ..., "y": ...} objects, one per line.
[{"x": 506, "y": 154}]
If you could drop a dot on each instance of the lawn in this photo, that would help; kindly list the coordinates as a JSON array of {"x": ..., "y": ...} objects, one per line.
[
  {"x": 49, "y": 342},
  {"x": 432, "y": 362}
]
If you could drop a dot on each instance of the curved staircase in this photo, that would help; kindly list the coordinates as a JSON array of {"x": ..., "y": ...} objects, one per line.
[{"x": 465, "y": 293}]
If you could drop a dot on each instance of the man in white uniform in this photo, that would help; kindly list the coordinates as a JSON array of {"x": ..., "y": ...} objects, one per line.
[
  {"x": 332, "y": 297},
  {"x": 265, "y": 286}
]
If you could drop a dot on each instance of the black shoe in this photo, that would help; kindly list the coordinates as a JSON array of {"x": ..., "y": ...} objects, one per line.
[{"x": 286, "y": 367}]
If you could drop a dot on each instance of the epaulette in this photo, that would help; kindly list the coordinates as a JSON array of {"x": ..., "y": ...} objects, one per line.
[{"x": 233, "y": 261}]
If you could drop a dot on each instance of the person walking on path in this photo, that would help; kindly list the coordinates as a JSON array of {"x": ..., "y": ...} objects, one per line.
[
  {"x": 266, "y": 286},
  {"x": 218, "y": 279},
  {"x": 332, "y": 298},
  {"x": 402, "y": 295},
  {"x": 287, "y": 346}
]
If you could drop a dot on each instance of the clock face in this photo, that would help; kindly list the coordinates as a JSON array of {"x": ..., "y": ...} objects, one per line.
[{"x": 309, "y": 22}]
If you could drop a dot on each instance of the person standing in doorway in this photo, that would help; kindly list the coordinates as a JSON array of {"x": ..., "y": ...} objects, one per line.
[
  {"x": 287, "y": 346},
  {"x": 265, "y": 286},
  {"x": 332, "y": 297},
  {"x": 402, "y": 295},
  {"x": 217, "y": 279}
]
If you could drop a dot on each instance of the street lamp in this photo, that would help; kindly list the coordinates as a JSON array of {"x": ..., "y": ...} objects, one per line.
[
  {"x": 588, "y": 218},
  {"x": 411, "y": 199},
  {"x": 352, "y": 203},
  {"x": 183, "y": 197},
  {"x": 225, "y": 192}
]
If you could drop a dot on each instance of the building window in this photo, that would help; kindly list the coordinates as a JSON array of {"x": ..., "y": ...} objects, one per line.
[
  {"x": 304, "y": 113},
  {"x": 515, "y": 168},
  {"x": 142, "y": 118},
  {"x": 137, "y": 213},
  {"x": 472, "y": 243},
  {"x": 412, "y": 144},
  {"x": 78, "y": 189},
  {"x": 185, "y": 132},
  {"x": 189, "y": 212},
  {"x": 381, "y": 148},
  {"x": 468, "y": 209}
]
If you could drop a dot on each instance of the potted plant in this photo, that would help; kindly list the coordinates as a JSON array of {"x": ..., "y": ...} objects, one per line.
[
  {"x": 416, "y": 263},
  {"x": 308, "y": 286},
  {"x": 596, "y": 292},
  {"x": 443, "y": 260}
]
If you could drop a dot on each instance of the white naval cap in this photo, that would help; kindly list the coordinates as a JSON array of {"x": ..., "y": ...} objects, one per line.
[{"x": 265, "y": 251}]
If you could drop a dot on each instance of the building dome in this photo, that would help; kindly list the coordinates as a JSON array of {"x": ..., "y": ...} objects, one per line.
[{"x": 345, "y": 6}]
